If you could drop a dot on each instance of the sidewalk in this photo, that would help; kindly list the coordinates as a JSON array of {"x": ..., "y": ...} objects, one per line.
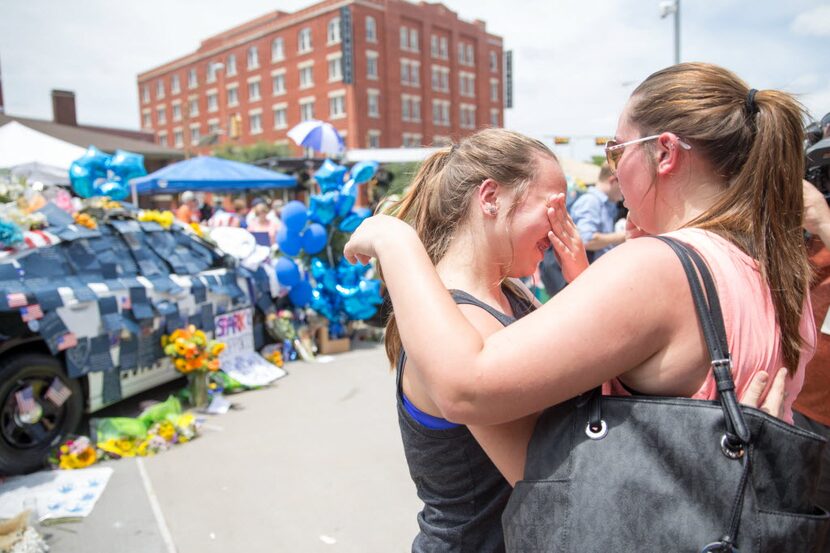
[{"x": 313, "y": 463}]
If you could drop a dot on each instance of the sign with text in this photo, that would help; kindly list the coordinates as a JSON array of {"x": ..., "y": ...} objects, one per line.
[{"x": 236, "y": 330}]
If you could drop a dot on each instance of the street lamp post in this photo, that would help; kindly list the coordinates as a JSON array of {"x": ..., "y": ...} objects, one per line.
[{"x": 673, "y": 7}]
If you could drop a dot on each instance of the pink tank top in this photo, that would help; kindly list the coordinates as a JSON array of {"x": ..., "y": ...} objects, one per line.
[{"x": 749, "y": 317}]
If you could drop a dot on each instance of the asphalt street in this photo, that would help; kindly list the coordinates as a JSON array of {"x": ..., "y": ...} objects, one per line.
[{"x": 312, "y": 463}]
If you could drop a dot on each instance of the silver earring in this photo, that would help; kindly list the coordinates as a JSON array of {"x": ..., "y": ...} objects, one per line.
[{"x": 491, "y": 209}]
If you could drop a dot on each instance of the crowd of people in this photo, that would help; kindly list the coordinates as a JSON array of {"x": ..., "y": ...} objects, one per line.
[{"x": 261, "y": 218}]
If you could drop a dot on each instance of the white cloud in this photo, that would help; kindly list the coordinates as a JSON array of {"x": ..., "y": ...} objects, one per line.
[{"x": 815, "y": 22}]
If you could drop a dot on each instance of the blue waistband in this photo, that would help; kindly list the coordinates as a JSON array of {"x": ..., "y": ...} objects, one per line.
[{"x": 425, "y": 419}]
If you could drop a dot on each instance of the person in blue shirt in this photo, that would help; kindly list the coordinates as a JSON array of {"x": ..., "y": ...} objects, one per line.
[{"x": 595, "y": 213}]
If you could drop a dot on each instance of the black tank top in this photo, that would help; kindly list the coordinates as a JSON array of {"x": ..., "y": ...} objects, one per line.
[{"x": 463, "y": 492}]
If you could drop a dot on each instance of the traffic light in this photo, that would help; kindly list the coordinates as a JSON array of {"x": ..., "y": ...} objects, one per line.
[
  {"x": 236, "y": 125},
  {"x": 601, "y": 140},
  {"x": 561, "y": 140}
]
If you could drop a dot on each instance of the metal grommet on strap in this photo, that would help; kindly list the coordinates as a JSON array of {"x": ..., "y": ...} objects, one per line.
[
  {"x": 723, "y": 546},
  {"x": 731, "y": 451},
  {"x": 596, "y": 432}
]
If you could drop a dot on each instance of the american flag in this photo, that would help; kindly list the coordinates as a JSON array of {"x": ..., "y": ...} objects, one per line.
[
  {"x": 25, "y": 400},
  {"x": 58, "y": 393},
  {"x": 18, "y": 299},
  {"x": 126, "y": 303},
  {"x": 68, "y": 340},
  {"x": 31, "y": 312}
]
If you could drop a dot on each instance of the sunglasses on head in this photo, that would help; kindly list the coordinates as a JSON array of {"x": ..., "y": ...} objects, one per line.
[{"x": 614, "y": 150}]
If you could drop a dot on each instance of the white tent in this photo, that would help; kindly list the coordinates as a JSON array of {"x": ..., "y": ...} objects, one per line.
[{"x": 21, "y": 145}]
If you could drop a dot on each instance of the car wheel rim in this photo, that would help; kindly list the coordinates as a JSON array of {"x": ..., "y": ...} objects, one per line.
[{"x": 41, "y": 430}]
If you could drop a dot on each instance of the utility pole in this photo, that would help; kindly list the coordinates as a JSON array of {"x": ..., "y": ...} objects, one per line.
[{"x": 673, "y": 7}]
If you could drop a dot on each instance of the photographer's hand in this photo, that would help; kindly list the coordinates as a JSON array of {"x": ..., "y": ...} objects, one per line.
[{"x": 816, "y": 213}]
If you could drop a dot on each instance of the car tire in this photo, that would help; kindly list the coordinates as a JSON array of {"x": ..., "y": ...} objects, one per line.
[{"x": 25, "y": 447}]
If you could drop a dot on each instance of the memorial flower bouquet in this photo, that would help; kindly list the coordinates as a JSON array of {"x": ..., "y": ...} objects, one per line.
[{"x": 196, "y": 356}]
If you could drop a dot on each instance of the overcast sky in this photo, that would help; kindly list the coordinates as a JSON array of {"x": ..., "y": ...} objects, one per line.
[{"x": 575, "y": 61}]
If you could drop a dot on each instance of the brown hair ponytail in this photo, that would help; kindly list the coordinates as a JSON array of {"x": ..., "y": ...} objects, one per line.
[{"x": 753, "y": 139}]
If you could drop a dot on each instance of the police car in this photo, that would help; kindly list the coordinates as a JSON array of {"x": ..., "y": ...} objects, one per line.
[{"x": 82, "y": 313}]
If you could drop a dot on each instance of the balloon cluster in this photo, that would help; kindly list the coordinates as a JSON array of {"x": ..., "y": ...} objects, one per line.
[
  {"x": 98, "y": 174},
  {"x": 340, "y": 291}
]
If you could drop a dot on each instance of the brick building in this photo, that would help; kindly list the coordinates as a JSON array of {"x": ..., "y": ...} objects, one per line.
[{"x": 385, "y": 73}]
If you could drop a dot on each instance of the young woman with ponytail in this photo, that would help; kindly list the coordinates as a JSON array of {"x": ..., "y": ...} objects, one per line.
[{"x": 699, "y": 156}]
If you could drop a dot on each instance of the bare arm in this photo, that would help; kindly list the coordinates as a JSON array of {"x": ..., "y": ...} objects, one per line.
[
  {"x": 602, "y": 240},
  {"x": 816, "y": 213},
  {"x": 553, "y": 352}
]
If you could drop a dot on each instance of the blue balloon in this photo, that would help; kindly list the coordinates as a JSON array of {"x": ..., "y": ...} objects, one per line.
[
  {"x": 370, "y": 291},
  {"x": 88, "y": 171},
  {"x": 351, "y": 275},
  {"x": 330, "y": 176},
  {"x": 352, "y": 221},
  {"x": 127, "y": 165},
  {"x": 321, "y": 303},
  {"x": 318, "y": 268},
  {"x": 323, "y": 208},
  {"x": 346, "y": 199},
  {"x": 289, "y": 242},
  {"x": 300, "y": 294},
  {"x": 314, "y": 239},
  {"x": 114, "y": 190},
  {"x": 83, "y": 183},
  {"x": 363, "y": 171},
  {"x": 294, "y": 216},
  {"x": 288, "y": 274}
]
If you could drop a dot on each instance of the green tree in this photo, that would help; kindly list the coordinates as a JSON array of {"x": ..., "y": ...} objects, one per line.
[
  {"x": 254, "y": 152},
  {"x": 598, "y": 160}
]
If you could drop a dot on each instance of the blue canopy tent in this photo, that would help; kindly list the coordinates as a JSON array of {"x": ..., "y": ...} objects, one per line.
[{"x": 210, "y": 174}]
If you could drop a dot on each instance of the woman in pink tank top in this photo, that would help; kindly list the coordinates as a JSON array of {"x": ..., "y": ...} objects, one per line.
[{"x": 699, "y": 156}]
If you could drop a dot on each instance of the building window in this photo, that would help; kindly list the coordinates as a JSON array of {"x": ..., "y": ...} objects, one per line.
[
  {"x": 494, "y": 62},
  {"x": 494, "y": 118},
  {"x": 470, "y": 58},
  {"x": 410, "y": 72},
  {"x": 255, "y": 118},
  {"x": 233, "y": 95},
  {"x": 213, "y": 126},
  {"x": 409, "y": 39},
  {"x": 306, "y": 109},
  {"x": 372, "y": 65},
  {"x": 335, "y": 68},
  {"x": 494, "y": 90},
  {"x": 405, "y": 107},
  {"x": 415, "y": 112},
  {"x": 210, "y": 72},
  {"x": 212, "y": 102},
  {"x": 280, "y": 116},
  {"x": 440, "y": 78},
  {"x": 145, "y": 93},
  {"x": 146, "y": 120},
  {"x": 467, "y": 115},
  {"x": 337, "y": 105},
  {"x": 441, "y": 112},
  {"x": 444, "y": 48},
  {"x": 175, "y": 85},
  {"x": 411, "y": 140},
  {"x": 410, "y": 108},
  {"x": 467, "y": 84},
  {"x": 253, "y": 58},
  {"x": 465, "y": 54},
  {"x": 307, "y": 76},
  {"x": 192, "y": 78},
  {"x": 253, "y": 91},
  {"x": 371, "y": 29},
  {"x": 333, "y": 31},
  {"x": 177, "y": 112},
  {"x": 163, "y": 139},
  {"x": 161, "y": 115},
  {"x": 373, "y": 139},
  {"x": 304, "y": 40},
  {"x": 159, "y": 89},
  {"x": 231, "y": 65},
  {"x": 195, "y": 135},
  {"x": 373, "y": 107},
  {"x": 433, "y": 46},
  {"x": 193, "y": 110},
  {"x": 278, "y": 82},
  {"x": 277, "y": 49},
  {"x": 178, "y": 138},
  {"x": 404, "y": 38}
]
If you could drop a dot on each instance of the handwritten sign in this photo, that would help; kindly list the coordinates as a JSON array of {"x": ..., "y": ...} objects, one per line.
[{"x": 236, "y": 329}]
